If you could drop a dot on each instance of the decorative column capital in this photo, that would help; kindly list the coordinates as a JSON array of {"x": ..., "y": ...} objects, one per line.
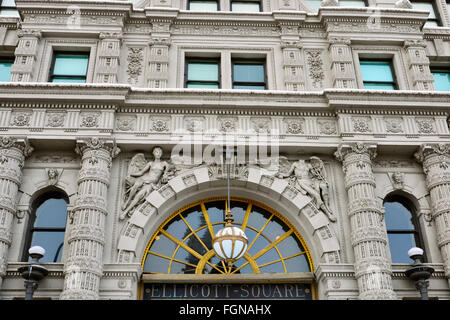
[
  {"x": 339, "y": 40},
  {"x": 437, "y": 149},
  {"x": 9, "y": 142},
  {"x": 94, "y": 144},
  {"x": 359, "y": 148}
]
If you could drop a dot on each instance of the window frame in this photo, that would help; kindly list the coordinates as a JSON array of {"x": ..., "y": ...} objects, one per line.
[
  {"x": 251, "y": 1},
  {"x": 188, "y": 5},
  {"x": 8, "y": 59},
  {"x": 52, "y": 193},
  {"x": 391, "y": 65},
  {"x": 366, "y": 3},
  {"x": 438, "y": 18},
  {"x": 8, "y": 7},
  {"x": 416, "y": 232},
  {"x": 258, "y": 61},
  {"x": 188, "y": 60},
  {"x": 52, "y": 65},
  {"x": 435, "y": 69}
]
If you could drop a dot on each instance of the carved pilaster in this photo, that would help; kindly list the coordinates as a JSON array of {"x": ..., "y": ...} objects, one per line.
[
  {"x": 342, "y": 68},
  {"x": 26, "y": 54},
  {"x": 419, "y": 64},
  {"x": 158, "y": 75},
  {"x": 435, "y": 159},
  {"x": 108, "y": 57},
  {"x": 368, "y": 233},
  {"x": 84, "y": 265},
  {"x": 294, "y": 78},
  {"x": 13, "y": 152}
]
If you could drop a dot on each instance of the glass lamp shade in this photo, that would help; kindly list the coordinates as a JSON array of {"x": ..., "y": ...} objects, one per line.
[{"x": 230, "y": 243}]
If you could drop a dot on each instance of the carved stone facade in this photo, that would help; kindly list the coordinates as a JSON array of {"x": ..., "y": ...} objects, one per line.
[{"x": 315, "y": 146}]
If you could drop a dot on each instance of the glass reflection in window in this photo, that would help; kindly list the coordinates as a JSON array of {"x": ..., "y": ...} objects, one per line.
[
  {"x": 183, "y": 244},
  {"x": 402, "y": 228},
  {"x": 49, "y": 227}
]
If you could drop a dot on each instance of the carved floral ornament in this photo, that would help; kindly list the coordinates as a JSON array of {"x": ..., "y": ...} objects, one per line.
[{"x": 440, "y": 150}]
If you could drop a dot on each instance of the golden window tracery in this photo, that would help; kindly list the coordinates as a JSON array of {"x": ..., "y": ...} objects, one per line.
[{"x": 183, "y": 243}]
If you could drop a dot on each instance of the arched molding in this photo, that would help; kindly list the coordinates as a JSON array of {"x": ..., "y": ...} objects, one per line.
[
  {"x": 196, "y": 184},
  {"x": 414, "y": 194}
]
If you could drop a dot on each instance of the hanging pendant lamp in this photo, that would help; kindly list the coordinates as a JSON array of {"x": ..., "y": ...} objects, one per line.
[{"x": 230, "y": 243}]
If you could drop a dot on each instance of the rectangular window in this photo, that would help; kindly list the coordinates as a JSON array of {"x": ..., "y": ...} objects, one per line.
[
  {"x": 353, "y": 3},
  {"x": 314, "y": 4},
  {"x": 441, "y": 79},
  {"x": 378, "y": 74},
  {"x": 249, "y": 75},
  {"x": 433, "y": 18},
  {"x": 69, "y": 67},
  {"x": 8, "y": 8},
  {"x": 197, "y": 5},
  {"x": 202, "y": 73},
  {"x": 246, "y": 5},
  {"x": 5, "y": 69}
]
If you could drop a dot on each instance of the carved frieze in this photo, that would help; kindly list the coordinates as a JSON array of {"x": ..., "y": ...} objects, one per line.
[
  {"x": 135, "y": 64},
  {"x": 315, "y": 66}
]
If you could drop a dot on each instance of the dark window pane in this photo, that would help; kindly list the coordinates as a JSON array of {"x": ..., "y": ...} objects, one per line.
[
  {"x": 248, "y": 72},
  {"x": 249, "y": 87},
  {"x": 202, "y": 85},
  {"x": 69, "y": 79},
  {"x": 156, "y": 264},
  {"x": 351, "y": 3},
  {"x": 203, "y": 5},
  {"x": 297, "y": 264},
  {"x": 52, "y": 242},
  {"x": 245, "y": 6},
  {"x": 399, "y": 245},
  {"x": 5, "y": 70},
  {"x": 216, "y": 211},
  {"x": 163, "y": 245},
  {"x": 378, "y": 86},
  {"x": 272, "y": 268},
  {"x": 177, "y": 228},
  {"x": 376, "y": 71},
  {"x": 71, "y": 64},
  {"x": 290, "y": 246},
  {"x": 203, "y": 71},
  {"x": 52, "y": 213},
  {"x": 441, "y": 81},
  {"x": 398, "y": 217}
]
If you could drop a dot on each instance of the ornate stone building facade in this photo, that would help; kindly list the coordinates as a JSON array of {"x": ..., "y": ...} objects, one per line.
[{"x": 320, "y": 155}]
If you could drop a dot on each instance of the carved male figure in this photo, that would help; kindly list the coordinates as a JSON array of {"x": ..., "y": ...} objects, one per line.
[{"x": 309, "y": 179}]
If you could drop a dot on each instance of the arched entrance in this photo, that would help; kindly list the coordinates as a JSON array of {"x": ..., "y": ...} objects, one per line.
[{"x": 179, "y": 260}]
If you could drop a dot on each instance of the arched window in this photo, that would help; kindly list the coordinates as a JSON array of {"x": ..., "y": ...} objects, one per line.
[
  {"x": 48, "y": 225},
  {"x": 183, "y": 243},
  {"x": 402, "y": 227}
]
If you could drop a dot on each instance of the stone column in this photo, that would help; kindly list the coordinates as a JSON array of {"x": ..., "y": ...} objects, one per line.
[
  {"x": 368, "y": 232},
  {"x": 108, "y": 57},
  {"x": 26, "y": 54},
  {"x": 435, "y": 159},
  {"x": 12, "y": 157},
  {"x": 342, "y": 68},
  {"x": 84, "y": 265},
  {"x": 419, "y": 64}
]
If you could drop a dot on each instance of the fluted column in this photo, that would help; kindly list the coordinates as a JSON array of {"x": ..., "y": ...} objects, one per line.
[
  {"x": 12, "y": 157},
  {"x": 368, "y": 232},
  {"x": 435, "y": 159},
  {"x": 84, "y": 265}
]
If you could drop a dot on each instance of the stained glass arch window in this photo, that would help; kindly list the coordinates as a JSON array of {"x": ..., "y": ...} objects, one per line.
[{"x": 183, "y": 243}]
